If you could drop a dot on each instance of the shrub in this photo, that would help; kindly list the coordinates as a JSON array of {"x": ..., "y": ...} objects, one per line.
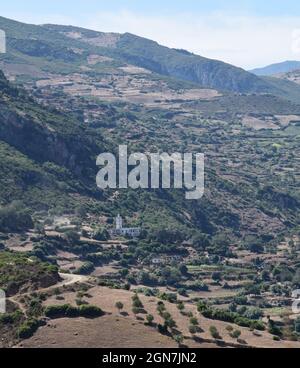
[
  {"x": 235, "y": 334},
  {"x": 149, "y": 319},
  {"x": 28, "y": 328},
  {"x": 15, "y": 218},
  {"x": 178, "y": 338},
  {"x": 297, "y": 325},
  {"x": 166, "y": 315},
  {"x": 72, "y": 236},
  {"x": 256, "y": 248},
  {"x": 253, "y": 313},
  {"x": 194, "y": 321},
  {"x": 170, "y": 297},
  {"x": 182, "y": 291},
  {"x": 135, "y": 310},
  {"x": 71, "y": 311},
  {"x": 119, "y": 306},
  {"x": 216, "y": 276},
  {"x": 85, "y": 269},
  {"x": 10, "y": 318},
  {"x": 214, "y": 332},
  {"x": 227, "y": 316},
  {"x": 170, "y": 323},
  {"x": 136, "y": 302},
  {"x": 66, "y": 310},
  {"x": 79, "y": 301},
  {"x": 162, "y": 329},
  {"x": 90, "y": 311},
  {"x": 180, "y": 306},
  {"x": 192, "y": 329},
  {"x": 101, "y": 235},
  {"x": 161, "y": 308},
  {"x": 56, "y": 311},
  {"x": 273, "y": 329}
]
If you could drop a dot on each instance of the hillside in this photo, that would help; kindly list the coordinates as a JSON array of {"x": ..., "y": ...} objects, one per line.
[
  {"x": 220, "y": 267},
  {"x": 90, "y": 99},
  {"x": 292, "y": 76},
  {"x": 37, "y": 46},
  {"x": 278, "y": 68},
  {"x": 126, "y": 329},
  {"x": 58, "y": 165},
  {"x": 42, "y": 148}
]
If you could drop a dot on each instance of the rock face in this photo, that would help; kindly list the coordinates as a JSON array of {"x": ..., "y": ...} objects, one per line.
[
  {"x": 41, "y": 136},
  {"x": 190, "y": 67},
  {"x": 39, "y": 142}
]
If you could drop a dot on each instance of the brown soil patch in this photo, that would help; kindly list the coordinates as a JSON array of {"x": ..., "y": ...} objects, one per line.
[
  {"x": 258, "y": 124},
  {"x": 105, "y": 332}
]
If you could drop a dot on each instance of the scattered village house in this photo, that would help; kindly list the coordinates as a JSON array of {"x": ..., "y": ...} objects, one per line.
[{"x": 166, "y": 259}]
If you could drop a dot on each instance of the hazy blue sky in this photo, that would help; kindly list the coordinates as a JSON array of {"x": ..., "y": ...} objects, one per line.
[
  {"x": 77, "y": 7},
  {"x": 245, "y": 33}
]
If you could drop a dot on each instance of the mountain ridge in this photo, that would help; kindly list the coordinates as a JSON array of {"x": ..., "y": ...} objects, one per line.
[
  {"x": 63, "y": 42},
  {"x": 277, "y": 68}
]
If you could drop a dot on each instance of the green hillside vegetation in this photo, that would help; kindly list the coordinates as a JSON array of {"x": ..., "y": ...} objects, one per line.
[
  {"x": 48, "y": 159},
  {"x": 15, "y": 218},
  {"x": 18, "y": 272}
]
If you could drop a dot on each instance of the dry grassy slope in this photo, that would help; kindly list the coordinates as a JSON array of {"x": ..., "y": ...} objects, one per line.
[{"x": 116, "y": 330}]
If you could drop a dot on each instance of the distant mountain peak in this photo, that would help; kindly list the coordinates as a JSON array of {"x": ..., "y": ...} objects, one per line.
[{"x": 277, "y": 68}]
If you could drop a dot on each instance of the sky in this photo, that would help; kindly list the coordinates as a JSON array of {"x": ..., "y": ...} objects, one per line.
[{"x": 244, "y": 33}]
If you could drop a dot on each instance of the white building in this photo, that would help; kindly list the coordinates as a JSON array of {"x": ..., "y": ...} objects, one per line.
[
  {"x": 134, "y": 232},
  {"x": 166, "y": 259},
  {"x": 119, "y": 222}
]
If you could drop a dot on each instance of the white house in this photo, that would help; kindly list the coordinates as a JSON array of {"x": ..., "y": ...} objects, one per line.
[
  {"x": 129, "y": 231},
  {"x": 166, "y": 259}
]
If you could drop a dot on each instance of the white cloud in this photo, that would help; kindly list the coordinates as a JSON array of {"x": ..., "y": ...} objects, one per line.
[{"x": 243, "y": 40}]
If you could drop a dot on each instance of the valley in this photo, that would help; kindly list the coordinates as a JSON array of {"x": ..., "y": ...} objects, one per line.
[{"x": 215, "y": 272}]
